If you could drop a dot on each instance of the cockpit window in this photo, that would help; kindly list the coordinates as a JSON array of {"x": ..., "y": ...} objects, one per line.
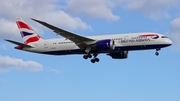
[{"x": 164, "y": 36}]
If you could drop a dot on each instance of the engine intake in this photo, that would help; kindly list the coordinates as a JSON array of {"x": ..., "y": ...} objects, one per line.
[
  {"x": 119, "y": 55},
  {"x": 107, "y": 44}
]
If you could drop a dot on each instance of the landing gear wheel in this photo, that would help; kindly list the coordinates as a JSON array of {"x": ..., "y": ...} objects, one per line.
[
  {"x": 93, "y": 60},
  {"x": 156, "y": 53},
  {"x": 96, "y": 59},
  {"x": 89, "y": 56},
  {"x": 85, "y": 57}
]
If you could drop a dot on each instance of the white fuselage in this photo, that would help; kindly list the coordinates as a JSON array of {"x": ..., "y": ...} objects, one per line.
[{"x": 123, "y": 42}]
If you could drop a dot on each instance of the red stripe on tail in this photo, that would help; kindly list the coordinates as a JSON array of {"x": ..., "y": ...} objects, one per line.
[
  {"x": 32, "y": 39},
  {"x": 23, "y": 25}
]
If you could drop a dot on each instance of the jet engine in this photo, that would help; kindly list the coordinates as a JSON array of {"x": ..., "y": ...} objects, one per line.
[
  {"x": 107, "y": 44},
  {"x": 119, "y": 55}
]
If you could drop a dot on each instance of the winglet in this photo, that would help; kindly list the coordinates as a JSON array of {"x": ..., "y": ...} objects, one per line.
[
  {"x": 46, "y": 24},
  {"x": 36, "y": 20}
]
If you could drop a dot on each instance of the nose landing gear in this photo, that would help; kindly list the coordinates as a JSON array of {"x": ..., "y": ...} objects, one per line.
[{"x": 157, "y": 53}]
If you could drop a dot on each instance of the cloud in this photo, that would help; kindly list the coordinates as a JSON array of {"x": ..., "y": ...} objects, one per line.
[
  {"x": 54, "y": 70},
  {"x": 48, "y": 10},
  {"x": 154, "y": 9},
  {"x": 3, "y": 46},
  {"x": 8, "y": 29},
  {"x": 93, "y": 8},
  {"x": 7, "y": 63},
  {"x": 2, "y": 80},
  {"x": 60, "y": 18},
  {"x": 174, "y": 33}
]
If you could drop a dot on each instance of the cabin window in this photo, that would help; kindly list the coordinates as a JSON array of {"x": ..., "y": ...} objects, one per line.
[{"x": 164, "y": 37}]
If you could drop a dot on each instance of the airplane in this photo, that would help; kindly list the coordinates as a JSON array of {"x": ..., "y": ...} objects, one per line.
[{"x": 116, "y": 46}]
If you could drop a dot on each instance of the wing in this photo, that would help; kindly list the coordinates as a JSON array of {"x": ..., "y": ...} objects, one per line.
[{"x": 81, "y": 41}]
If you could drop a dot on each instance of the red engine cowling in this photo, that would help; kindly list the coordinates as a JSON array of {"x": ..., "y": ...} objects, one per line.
[{"x": 119, "y": 55}]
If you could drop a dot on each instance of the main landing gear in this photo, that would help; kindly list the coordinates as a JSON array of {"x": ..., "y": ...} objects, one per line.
[
  {"x": 95, "y": 59},
  {"x": 87, "y": 56},
  {"x": 157, "y": 53}
]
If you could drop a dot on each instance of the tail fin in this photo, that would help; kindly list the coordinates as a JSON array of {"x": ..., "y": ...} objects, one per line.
[{"x": 27, "y": 33}]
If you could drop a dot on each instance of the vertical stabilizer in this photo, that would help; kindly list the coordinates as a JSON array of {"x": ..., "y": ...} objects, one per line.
[{"x": 27, "y": 33}]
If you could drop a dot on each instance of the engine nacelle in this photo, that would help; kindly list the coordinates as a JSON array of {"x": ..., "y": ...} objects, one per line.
[
  {"x": 119, "y": 55},
  {"x": 105, "y": 45}
]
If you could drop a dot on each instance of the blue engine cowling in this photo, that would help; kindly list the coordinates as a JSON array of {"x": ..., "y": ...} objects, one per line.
[
  {"x": 119, "y": 55},
  {"x": 104, "y": 45}
]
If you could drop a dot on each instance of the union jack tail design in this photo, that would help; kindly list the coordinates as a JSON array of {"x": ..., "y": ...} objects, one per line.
[{"x": 27, "y": 33}]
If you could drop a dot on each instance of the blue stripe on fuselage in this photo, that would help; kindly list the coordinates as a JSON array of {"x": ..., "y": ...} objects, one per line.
[{"x": 124, "y": 48}]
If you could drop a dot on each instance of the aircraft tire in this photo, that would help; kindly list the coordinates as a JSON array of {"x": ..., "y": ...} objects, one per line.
[
  {"x": 89, "y": 56},
  {"x": 156, "y": 53},
  {"x": 97, "y": 59},
  {"x": 93, "y": 60},
  {"x": 85, "y": 57}
]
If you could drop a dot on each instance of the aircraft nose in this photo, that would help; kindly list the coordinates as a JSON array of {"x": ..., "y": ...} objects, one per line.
[{"x": 169, "y": 42}]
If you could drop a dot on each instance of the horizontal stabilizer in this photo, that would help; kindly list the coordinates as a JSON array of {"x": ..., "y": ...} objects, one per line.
[{"x": 18, "y": 43}]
